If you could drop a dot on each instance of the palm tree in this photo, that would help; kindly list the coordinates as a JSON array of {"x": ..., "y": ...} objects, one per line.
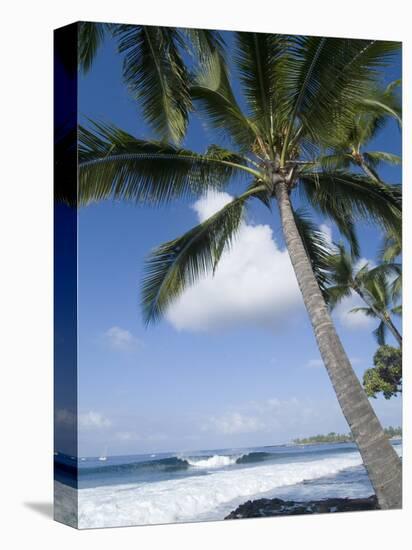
[
  {"x": 153, "y": 67},
  {"x": 350, "y": 148},
  {"x": 370, "y": 284},
  {"x": 299, "y": 92}
]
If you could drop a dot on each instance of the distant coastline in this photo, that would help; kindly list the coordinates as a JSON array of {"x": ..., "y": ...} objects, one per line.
[{"x": 333, "y": 437}]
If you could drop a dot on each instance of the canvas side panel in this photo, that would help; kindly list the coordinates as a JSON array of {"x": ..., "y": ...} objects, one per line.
[{"x": 65, "y": 275}]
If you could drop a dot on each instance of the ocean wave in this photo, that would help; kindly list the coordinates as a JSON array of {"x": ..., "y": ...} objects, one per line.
[
  {"x": 176, "y": 463},
  {"x": 171, "y": 464},
  {"x": 196, "y": 497},
  {"x": 257, "y": 456},
  {"x": 215, "y": 461}
]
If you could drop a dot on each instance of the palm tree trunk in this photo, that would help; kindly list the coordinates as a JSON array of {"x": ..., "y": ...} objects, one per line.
[
  {"x": 380, "y": 459},
  {"x": 383, "y": 316},
  {"x": 368, "y": 171},
  {"x": 394, "y": 330}
]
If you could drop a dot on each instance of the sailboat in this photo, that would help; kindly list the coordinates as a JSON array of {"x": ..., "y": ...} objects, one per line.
[{"x": 103, "y": 456}]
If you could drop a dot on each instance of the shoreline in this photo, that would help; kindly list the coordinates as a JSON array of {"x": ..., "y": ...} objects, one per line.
[{"x": 393, "y": 438}]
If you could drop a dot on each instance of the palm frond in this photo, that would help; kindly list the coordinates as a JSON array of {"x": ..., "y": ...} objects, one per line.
[
  {"x": 375, "y": 158},
  {"x": 115, "y": 164},
  {"x": 380, "y": 333},
  {"x": 91, "y": 36},
  {"x": 340, "y": 266},
  {"x": 345, "y": 195},
  {"x": 324, "y": 95},
  {"x": 340, "y": 214},
  {"x": 365, "y": 310},
  {"x": 383, "y": 107},
  {"x": 177, "y": 264},
  {"x": 392, "y": 246},
  {"x": 155, "y": 72},
  {"x": 335, "y": 161},
  {"x": 213, "y": 94},
  {"x": 259, "y": 58},
  {"x": 395, "y": 288},
  {"x": 379, "y": 274},
  {"x": 204, "y": 43},
  {"x": 318, "y": 248},
  {"x": 336, "y": 293},
  {"x": 397, "y": 310},
  {"x": 375, "y": 108}
]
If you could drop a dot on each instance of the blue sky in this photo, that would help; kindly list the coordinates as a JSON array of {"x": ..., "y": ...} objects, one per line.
[{"x": 235, "y": 362}]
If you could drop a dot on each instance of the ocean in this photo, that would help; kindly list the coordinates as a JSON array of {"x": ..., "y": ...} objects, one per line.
[{"x": 204, "y": 485}]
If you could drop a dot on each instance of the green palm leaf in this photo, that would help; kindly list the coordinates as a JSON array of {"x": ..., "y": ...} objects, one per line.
[
  {"x": 156, "y": 75},
  {"x": 374, "y": 158},
  {"x": 203, "y": 43},
  {"x": 317, "y": 248},
  {"x": 343, "y": 195},
  {"x": 91, "y": 36},
  {"x": 115, "y": 164},
  {"x": 337, "y": 160},
  {"x": 380, "y": 334},
  {"x": 259, "y": 57},
  {"x": 179, "y": 263},
  {"x": 323, "y": 94},
  {"x": 213, "y": 94},
  {"x": 335, "y": 294},
  {"x": 365, "y": 310}
]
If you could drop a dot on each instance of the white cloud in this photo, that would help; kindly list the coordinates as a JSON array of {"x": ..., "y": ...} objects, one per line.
[
  {"x": 356, "y": 320},
  {"x": 120, "y": 339},
  {"x": 127, "y": 436},
  {"x": 318, "y": 363},
  {"x": 93, "y": 420},
  {"x": 327, "y": 231},
  {"x": 233, "y": 423},
  {"x": 253, "y": 283},
  {"x": 314, "y": 363},
  {"x": 277, "y": 419},
  {"x": 210, "y": 203}
]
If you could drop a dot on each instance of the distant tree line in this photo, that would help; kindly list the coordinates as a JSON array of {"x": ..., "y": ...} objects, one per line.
[{"x": 333, "y": 437}]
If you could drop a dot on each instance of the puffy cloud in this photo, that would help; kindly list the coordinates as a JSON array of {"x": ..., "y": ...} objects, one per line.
[
  {"x": 280, "y": 419},
  {"x": 233, "y": 423},
  {"x": 93, "y": 420},
  {"x": 356, "y": 320},
  {"x": 253, "y": 283},
  {"x": 120, "y": 339},
  {"x": 210, "y": 203}
]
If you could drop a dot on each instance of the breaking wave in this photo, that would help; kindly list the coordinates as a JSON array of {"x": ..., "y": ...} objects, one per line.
[{"x": 197, "y": 497}]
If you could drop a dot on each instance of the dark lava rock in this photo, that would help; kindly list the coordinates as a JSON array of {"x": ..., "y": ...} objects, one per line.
[{"x": 266, "y": 507}]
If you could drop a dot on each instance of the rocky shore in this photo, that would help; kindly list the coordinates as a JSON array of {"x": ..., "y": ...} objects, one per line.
[{"x": 267, "y": 507}]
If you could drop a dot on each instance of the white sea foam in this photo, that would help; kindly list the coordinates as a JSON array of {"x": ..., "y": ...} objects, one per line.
[
  {"x": 216, "y": 461},
  {"x": 196, "y": 497},
  {"x": 208, "y": 497}
]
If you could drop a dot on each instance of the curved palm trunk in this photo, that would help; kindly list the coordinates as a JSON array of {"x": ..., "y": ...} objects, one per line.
[
  {"x": 380, "y": 459},
  {"x": 383, "y": 316},
  {"x": 368, "y": 171}
]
